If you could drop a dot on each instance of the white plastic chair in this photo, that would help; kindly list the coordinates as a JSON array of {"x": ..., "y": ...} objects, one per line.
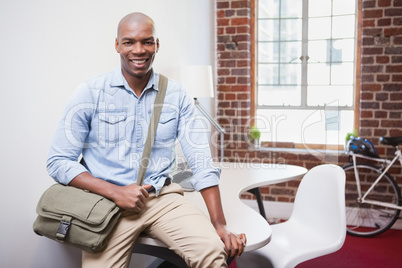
[{"x": 316, "y": 227}]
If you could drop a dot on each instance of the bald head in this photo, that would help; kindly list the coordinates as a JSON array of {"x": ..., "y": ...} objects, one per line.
[{"x": 136, "y": 18}]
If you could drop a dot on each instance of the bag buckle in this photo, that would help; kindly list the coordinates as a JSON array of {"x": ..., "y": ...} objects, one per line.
[{"x": 64, "y": 226}]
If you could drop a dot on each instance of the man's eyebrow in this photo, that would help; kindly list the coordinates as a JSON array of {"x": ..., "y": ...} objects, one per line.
[{"x": 131, "y": 39}]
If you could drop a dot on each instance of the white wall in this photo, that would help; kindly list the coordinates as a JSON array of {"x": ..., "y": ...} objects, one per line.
[{"x": 47, "y": 48}]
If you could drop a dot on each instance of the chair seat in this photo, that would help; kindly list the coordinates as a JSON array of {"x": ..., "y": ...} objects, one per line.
[{"x": 316, "y": 227}]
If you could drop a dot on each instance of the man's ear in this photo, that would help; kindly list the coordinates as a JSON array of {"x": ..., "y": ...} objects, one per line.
[
  {"x": 116, "y": 46},
  {"x": 157, "y": 45}
]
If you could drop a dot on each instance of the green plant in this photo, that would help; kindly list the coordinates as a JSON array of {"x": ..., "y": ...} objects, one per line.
[
  {"x": 255, "y": 133},
  {"x": 354, "y": 133}
]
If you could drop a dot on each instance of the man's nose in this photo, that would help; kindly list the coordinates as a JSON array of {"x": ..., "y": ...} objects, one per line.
[{"x": 138, "y": 48}]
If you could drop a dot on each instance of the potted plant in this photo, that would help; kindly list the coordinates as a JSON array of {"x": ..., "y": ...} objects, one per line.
[
  {"x": 255, "y": 135},
  {"x": 354, "y": 133}
]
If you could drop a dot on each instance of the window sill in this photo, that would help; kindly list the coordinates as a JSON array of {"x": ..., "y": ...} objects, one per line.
[{"x": 296, "y": 150}]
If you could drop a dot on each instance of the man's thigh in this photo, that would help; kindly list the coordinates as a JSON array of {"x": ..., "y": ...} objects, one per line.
[{"x": 187, "y": 231}]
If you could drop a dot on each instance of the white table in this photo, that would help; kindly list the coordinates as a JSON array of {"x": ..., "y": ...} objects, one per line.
[{"x": 237, "y": 178}]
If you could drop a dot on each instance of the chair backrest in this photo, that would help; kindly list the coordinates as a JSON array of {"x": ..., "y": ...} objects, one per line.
[{"x": 320, "y": 200}]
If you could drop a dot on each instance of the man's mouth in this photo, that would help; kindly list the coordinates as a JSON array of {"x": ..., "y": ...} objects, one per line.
[{"x": 139, "y": 61}]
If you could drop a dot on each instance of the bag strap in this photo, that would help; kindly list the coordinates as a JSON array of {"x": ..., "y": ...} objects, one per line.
[{"x": 153, "y": 124}]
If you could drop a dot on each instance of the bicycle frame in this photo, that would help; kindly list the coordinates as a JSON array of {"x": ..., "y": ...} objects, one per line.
[{"x": 386, "y": 165}]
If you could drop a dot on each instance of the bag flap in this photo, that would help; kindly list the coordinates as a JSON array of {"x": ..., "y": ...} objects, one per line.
[{"x": 61, "y": 200}]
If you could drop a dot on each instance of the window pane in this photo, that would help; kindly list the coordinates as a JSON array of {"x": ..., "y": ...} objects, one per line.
[
  {"x": 342, "y": 7},
  {"x": 268, "y": 30},
  {"x": 290, "y": 52},
  {"x": 268, "y": 74},
  {"x": 291, "y": 8},
  {"x": 268, "y": 52},
  {"x": 343, "y": 27},
  {"x": 318, "y": 74},
  {"x": 344, "y": 49},
  {"x": 279, "y": 95},
  {"x": 342, "y": 74},
  {"x": 317, "y": 51},
  {"x": 319, "y": 8},
  {"x": 291, "y": 29},
  {"x": 268, "y": 9},
  {"x": 319, "y": 28},
  {"x": 308, "y": 126},
  {"x": 290, "y": 74},
  {"x": 330, "y": 95}
]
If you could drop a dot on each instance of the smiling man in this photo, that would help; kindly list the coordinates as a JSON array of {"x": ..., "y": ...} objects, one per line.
[{"x": 106, "y": 121}]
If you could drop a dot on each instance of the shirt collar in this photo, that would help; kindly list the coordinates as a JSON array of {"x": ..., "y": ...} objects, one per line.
[{"x": 118, "y": 80}]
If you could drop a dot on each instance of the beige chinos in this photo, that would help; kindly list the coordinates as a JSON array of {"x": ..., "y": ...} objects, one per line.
[{"x": 170, "y": 218}]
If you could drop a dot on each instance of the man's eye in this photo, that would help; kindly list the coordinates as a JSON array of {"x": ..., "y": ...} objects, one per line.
[
  {"x": 127, "y": 43},
  {"x": 149, "y": 43}
]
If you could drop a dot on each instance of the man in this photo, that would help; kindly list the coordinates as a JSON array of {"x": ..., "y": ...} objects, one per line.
[{"x": 106, "y": 121}]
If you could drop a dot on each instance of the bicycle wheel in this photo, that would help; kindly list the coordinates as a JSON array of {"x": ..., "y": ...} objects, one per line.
[{"x": 366, "y": 220}]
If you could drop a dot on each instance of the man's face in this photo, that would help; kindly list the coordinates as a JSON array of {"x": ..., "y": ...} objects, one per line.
[{"x": 137, "y": 47}]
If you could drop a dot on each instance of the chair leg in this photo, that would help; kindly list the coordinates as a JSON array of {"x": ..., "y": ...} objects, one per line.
[{"x": 257, "y": 193}]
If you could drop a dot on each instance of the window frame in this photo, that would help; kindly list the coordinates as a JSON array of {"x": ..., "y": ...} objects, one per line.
[{"x": 254, "y": 84}]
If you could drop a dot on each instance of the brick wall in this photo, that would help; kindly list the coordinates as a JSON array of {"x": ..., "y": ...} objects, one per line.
[{"x": 380, "y": 96}]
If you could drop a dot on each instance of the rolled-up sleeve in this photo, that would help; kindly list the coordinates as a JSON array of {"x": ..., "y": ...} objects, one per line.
[
  {"x": 192, "y": 135},
  {"x": 70, "y": 137}
]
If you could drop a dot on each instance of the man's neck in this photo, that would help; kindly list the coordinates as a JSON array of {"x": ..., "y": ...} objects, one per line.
[{"x": 138, "y": 84}]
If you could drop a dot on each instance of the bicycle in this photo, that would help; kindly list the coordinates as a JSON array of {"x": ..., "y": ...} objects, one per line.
[{"x": 372, "y": 196}]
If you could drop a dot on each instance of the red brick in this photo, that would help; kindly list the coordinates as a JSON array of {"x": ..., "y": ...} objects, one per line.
[
  {"x": 223, "y": 22},
  {"x": 369, "y": 123},
  {"x": 229, "y": 13},
  {"x": 391, "y": 87},
  {"x": 371, "y": 87},
  {"x": 380, "y": 114},
  {"x": 396, "y": 59},
  {"x": 392, "y": 105},
  {"x": 371, "y": 69},
  {"x": 396, "y": 96},
  {"x": 382, "y": 78},
  {"x": 366, "y": 114},
  {"x": 382, "y": 59},
  {"x": 372, "y": 50},
  {"x": 393, "y": 31},
  {"x": 230, "y": 80},
  {"x": 230, "y": 30},
  {"x": 372, "y": 13},
  {"x": 243, "y": 29},
  {"x": 240, "y": 21},
  {"x": 370, "y": 105},
  {"x": 221, "y": 5},
  {"x": 366, "y": 96},
  {"x": 368, "y": 23},
  {"x": 368, "y": 60},
  {"x": 397, "y": 78},
  {"x": 384, "y": 22},
  {"x": 397, "y": 21},
  {"x": 391, "y": 123},
  {"x": 220, "y": 14},
  {"x": 368, "y": 4},
  {"x": 390, "y": 12},
  {"x": 394, "y": 69},
  {"x": 381, "y": 96},
  {"x": 397, "y": 3},
  {"x": 384, "y": 3},
  {"x": 240, "y": 4}
]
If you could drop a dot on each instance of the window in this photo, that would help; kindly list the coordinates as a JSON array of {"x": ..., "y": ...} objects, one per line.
[{"x": 305, "y": 70}]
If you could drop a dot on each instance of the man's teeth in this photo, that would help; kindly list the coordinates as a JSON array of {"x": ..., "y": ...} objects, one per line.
[{"x": 138, "y": 61}]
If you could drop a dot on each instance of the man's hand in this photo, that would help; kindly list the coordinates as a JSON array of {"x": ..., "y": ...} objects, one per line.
[
  {"x": 131, "y": 197},
  {"x": 234, "y": 244}
]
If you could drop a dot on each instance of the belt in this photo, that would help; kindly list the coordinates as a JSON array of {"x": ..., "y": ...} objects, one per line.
[{"x": 168, "y": 181}]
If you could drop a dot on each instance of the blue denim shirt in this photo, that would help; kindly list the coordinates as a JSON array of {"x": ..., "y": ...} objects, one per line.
[{"x": 107, "y": 123}]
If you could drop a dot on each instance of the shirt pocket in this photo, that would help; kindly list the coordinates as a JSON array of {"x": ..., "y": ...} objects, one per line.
[
  {"x": 167, "y": 127},
  {"x": 112, "y": 126}
]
